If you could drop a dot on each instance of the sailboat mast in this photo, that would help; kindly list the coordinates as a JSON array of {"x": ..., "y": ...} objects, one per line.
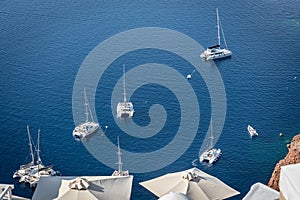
[
  {"x": 86, "y": 106},
  {"x": 119, "y": 157},
  {"x": 91, "y": 113},
  {"x": 30, "y": 145},
  {"x": 218, "y": 25},
  {"x": 38, "y": 149},
  {"x": 211, "y": 135},
  {"x": 124, "y": 82}
]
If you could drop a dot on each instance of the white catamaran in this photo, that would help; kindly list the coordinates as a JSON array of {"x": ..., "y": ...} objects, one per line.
[
  {"x": 216, "y": 52},
  {"x": 25, "y": 169},
  {"x": 89, "y": 126},
  {"x": 212, "y": 154},
  {"x": 125, "y": 108},
  {"x": 31, "y": 172}
]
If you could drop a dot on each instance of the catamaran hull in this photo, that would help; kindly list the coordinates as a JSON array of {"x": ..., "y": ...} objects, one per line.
[
  {"x": 125, "y": 115},
  {"x": 125, "y": 110},
  {"x": 85, "y": 129},
  {"x": 208, "y": 55},
  {"x": 219, "y": 56},
  {"x": 210, "y": 155}
]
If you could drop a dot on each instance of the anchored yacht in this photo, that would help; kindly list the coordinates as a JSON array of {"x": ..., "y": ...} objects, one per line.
[
  {"x": 89, "y": 126},
  {"x": 216, "y": 52},
  {"x": 125, "y": 108},
  {"x": 212, "y": 154}
]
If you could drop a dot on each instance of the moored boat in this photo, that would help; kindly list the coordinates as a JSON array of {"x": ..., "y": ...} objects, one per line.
[
  {"x": 89, "y": 126},
  {"x": 216, "y": 52},
  {"x": 120, "y": 171},
  {"x": 252, "y": 131},
  {"x": 31, "y": 172},
  {"x": 212, "y": 154},
  {"x": 125, "y": 108}
]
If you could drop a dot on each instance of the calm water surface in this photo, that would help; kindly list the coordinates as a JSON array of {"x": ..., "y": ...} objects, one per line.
[{"x": 43, "y": 44}]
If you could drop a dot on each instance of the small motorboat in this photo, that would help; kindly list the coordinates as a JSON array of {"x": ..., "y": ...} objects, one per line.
[{"x": 252, "y": 131}]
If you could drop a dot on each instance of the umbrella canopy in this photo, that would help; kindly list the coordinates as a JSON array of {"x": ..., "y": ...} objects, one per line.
[
  {"x": 79, "y": 184},
  {"x": 97, "y": 188},
  {"x": 174, "y": 196},
  {"x": 194, "y": 183},
  {"x": 77, "y": 188},
  {"x": 86, "y": 187}
]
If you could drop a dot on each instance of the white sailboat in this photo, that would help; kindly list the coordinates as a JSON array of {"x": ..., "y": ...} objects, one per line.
[
  {"x": 125, "y": 108},
  {"x": 120, "y": 171},
  {"x": 216, "y": 52},
  {"x": 30, "y": 173},
  {"x": 40, "y": 169},
  {"x": 89, "y": 126},
  {"x": 25, "y": 169},
  {"x": 212, "y": 154}
]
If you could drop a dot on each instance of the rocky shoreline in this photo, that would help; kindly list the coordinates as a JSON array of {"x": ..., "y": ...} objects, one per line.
[{"x": 292, "y": 157}]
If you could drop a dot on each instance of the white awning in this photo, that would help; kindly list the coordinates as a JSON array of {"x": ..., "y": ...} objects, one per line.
[
  {"x": 289, "y": 182},
  {"x": 259, "y": 191}
]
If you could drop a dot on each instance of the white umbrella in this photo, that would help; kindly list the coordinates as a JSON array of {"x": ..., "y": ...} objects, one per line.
[
  {"x": 194, "y": 183},
  {"x": 77, "y": 188},
  {"x": 174, "y": 196},
  {"x": 79, "y": 184},
  {"x": 90, "y": 188}
]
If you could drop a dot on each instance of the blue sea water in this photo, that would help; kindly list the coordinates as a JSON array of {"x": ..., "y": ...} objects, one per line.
[{"x": 43, "y": 45}]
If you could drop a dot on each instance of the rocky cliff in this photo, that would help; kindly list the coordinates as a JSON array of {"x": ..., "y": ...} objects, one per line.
[{"x": 292, "y": 157}]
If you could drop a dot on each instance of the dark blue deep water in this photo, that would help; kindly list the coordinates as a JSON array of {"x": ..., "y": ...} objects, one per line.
[{"x": 43, "y": 45}]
